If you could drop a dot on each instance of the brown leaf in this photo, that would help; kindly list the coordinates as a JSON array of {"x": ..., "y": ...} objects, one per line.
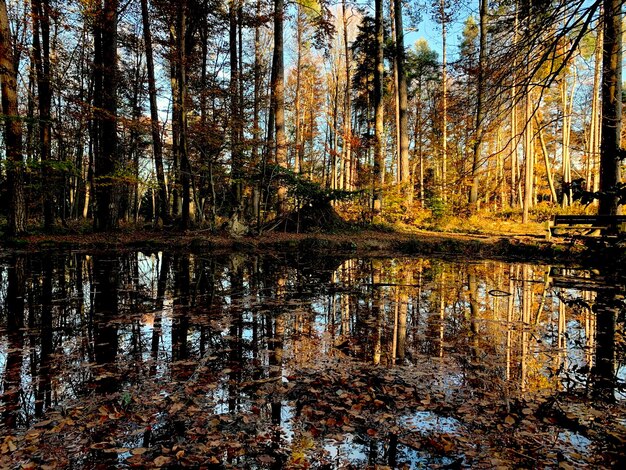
[{"x": 161, "y": 461}]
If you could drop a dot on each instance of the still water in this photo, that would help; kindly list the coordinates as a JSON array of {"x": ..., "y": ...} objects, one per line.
[{"x": 293, "y": 361}]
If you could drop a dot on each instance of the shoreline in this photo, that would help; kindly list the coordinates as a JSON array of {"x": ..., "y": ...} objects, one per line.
[{"x": 358, "y": 242}]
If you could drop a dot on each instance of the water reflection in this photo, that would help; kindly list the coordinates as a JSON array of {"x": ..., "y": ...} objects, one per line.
[{"x": 223, "y": 326}]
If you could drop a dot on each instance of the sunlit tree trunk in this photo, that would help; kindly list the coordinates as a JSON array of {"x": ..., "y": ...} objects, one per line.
[
  {"x": 278, "y": 97},
  {"x": 546, "y": 158},
  {"x": 378, "y": 112},
  {"x": 593, "y": 147},
  {"x": 298, "y": 163},
  {"x": 480, "y": 87},
  {"x": 567, "y": 100},
  {"x": 529, "y": 156},
  {"x": 347, "y": 106},
  {"x": 444, "y": 98},
  {"x": 514, "y": 197},
  {"x": 401, "y": 87}
]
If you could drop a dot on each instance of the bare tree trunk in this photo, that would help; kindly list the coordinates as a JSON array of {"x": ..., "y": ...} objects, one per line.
[
  {"x": 278, "y": 97},
  {"x": 444, "y": 91},
  {"x": 298, "y": 122},
  {"x": 593, "y": 148},
  {"x": 480, "y": 91},
  {"x": 41, "y": 52},
  {"x": 610, "y": 146},
  {"x": 235, "y": 118},
  {"x": 106, "y": 162},
  {"x": 567, "y": 100},
  {"x": 12, "y": 128},
  {"x": 157, "y": 146},
  {"x": 185, "y": 167},
  {"x": 401, "y": 86},
  {"x": 546, "y": 158},
  {"x": 347, "y": 107},
  {"x": 378, "y": 110},
  {"x": 529, "y": 151},
  {"x": 513, "y": 141}
]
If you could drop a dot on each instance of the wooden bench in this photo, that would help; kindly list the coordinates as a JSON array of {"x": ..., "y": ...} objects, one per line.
[{"x": 586, "y": 225}]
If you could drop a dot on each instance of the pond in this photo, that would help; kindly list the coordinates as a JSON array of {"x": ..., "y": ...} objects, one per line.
[{"x": 308, "y": 361}]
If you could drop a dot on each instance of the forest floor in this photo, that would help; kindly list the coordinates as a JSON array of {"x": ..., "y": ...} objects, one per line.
[{"x": 532, "y": 245}]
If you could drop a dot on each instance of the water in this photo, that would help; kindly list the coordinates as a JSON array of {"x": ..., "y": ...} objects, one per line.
[{"x": 287, "y": 361}]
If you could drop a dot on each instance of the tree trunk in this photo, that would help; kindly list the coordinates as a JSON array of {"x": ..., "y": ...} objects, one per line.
[
  {"x": 106, "y": 162},
  {"x": 12, "y": 128},
  {"x": 567, "y": 100},
  {"x": 546, "y": 158},
  {"x": 401, "y": 86},
  {"x": 278, "y": 97},
  {"x": 513, "y": 141},
  {"x": 610, "y": 146},
  {"x": 347, "y": 107},
  {"x": 157, "y": 146},
  {"x": 41, "y": 52},
  {"x": 444, "y": 91},
  {"x": 378, "y": 111},
  {"x": 480, "y": 91},
  {"x": 185, "y": 167},
  {"x": 529, "y": 151},
  {"x": 593, "y": 149},
  {"x": 235, "y": 118},
  {"x": 298, "y": 122}
]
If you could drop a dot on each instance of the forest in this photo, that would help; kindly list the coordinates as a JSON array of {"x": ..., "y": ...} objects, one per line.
[{"x": 252, "y": 115}]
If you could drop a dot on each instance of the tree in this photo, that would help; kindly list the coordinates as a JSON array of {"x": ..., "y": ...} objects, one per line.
[
  {"x": 163, "y": 204},
  {"x": 41, "y": 55},
  {"x": 278, "y": 97},
  {"x": 12, "y": 127},
  {"x": 401, "y": 87},
  {"x": 480, "y": 112},
  {"x": 106, "y": 160},
  {"x": 378, "y": 110},
  {"x": 610, "y": 145},
  {"x": 236, "y": 123},
  {"x": 423, "y": 71}
]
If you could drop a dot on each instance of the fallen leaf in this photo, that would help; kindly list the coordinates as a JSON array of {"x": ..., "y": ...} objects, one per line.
[{"x": 161, "y": 461}]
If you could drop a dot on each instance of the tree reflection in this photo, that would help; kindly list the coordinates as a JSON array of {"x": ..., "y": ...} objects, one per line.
[
  {"x": 16, "y": 279},
  {"x": 105, "y": 288},
  {"x": 607, "y": 307}
]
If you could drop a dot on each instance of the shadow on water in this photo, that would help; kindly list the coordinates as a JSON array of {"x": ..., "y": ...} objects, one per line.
[{"x": 282, "y": 361}]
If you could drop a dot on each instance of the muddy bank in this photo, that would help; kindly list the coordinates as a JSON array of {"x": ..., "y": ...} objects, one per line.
[{"x": 369, "y": 242}]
